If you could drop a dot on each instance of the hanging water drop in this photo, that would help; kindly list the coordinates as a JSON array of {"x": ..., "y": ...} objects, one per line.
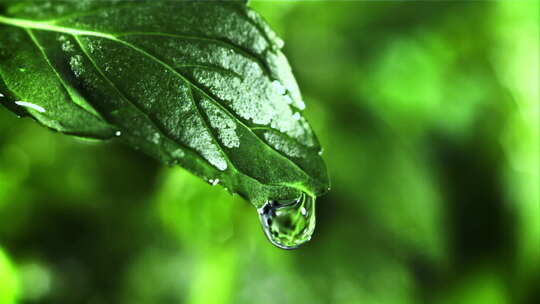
[{"x": 288, "y": 224}]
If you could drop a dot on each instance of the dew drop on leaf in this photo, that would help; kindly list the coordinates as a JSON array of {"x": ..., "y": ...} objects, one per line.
[
  {"x": 30, "y": 105},
  {"x": 178, "y": 153},
  {"x": 280, "y": 89},
  {"x": 67, "y": 46},
  {"x": 76, "y": 65},
  {"x": 156, "y": 138},
  {"x": 288, "y": 224}
]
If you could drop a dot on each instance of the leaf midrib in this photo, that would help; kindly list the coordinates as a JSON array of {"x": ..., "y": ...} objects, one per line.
[
  {"x": 27, "y": 24},
  {"x": 150, "y": 119},
  {"x": 240, "y": 49}
]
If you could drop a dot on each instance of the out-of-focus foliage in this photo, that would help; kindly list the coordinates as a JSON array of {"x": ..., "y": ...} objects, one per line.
[
  {"x": 8, "y": 280},
  {"x": 429, "y": 116}
]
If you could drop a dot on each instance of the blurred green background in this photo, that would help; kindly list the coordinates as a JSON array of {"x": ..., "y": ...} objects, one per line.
[{"x": 428, "y": 113}]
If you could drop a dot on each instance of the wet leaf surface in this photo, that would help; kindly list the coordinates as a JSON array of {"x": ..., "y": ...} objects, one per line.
[{"x": 200, "y": 84}]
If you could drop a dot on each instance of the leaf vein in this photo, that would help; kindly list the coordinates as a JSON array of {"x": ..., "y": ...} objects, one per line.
[
  {"x": 64, "y": 84},
  {"x": 128, "y": 100},
  {"x": 223, "y": 108},
  {"x": 76, "y": 32}
]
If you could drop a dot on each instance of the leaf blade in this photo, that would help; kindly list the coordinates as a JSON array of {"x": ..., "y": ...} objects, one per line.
[{"x": 223, "y": 105}]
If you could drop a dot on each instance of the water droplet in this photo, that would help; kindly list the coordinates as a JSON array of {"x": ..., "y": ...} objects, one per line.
[
  {"x": 1, "y": 95},
  {"x": 76, "y": 65},
  {"x": 288, "y": 224},
  {"x": 278, "y": 87},
  {"x": 156, "y": 137},
  {"x": 288, "y": 99},
  {"x": 178, "y": 153},
  {"x": 30, "y": 105},
  {"x": 300, "y": 105},
  {"x": 118, "y": 133},
  {"x": 279, "y": 42},
  {"x": 214, "y": 182},
  {"x": 68, "y": 46},
  {"x": 224, "y": 125},
  {"x": 291, "y": 149},
  {"x": 22, "y": 70}
]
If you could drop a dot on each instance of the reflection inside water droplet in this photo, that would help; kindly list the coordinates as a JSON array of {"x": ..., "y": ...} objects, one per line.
[{"x": 288, "y": 224}]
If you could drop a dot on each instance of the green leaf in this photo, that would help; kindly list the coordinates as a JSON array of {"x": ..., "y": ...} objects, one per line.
[{"x": 202, "y": 84}]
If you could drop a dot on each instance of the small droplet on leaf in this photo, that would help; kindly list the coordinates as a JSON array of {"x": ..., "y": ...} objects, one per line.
[
  {"x": 178, "y": 153},
  {"x": 30, "y": 105},
  {"x": 280, "y": 89},
  {"x": 156, "y": 138}
]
